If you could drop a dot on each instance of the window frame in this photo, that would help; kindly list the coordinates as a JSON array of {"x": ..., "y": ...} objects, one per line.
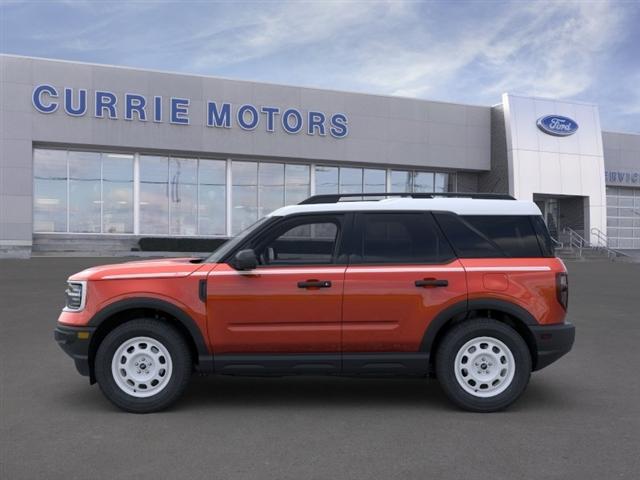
[{"x": 355, "y": 250}]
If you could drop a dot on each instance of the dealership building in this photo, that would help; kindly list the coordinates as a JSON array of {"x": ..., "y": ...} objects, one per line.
[{"x": 100, "y": 157}]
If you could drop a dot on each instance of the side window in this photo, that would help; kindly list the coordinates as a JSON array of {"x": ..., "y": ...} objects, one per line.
[
  {"x": 468, "y": 241},
  {"x": 303, "y": 241},
  {"x": 513, "y": 234},
  {"x": 401, "y": 238},
  {"x": 487, "y": 236}
]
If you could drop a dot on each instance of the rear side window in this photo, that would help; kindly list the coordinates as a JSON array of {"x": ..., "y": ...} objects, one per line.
[
  {"x": 544, "y": 237},
  {"x": 482, "y": 236},
  {"x": 401, "y": 238}
]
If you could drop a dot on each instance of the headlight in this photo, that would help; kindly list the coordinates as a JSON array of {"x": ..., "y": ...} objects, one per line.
[{"x": 76, "y": 293}]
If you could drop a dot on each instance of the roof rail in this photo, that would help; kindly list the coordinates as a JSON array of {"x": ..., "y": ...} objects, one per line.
[{"x": 336, "y": 197}]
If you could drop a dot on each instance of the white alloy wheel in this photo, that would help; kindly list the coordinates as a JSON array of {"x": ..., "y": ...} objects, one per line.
[
  {"x": 141, "y": 367},
  {"x": 484, "y": 367}
]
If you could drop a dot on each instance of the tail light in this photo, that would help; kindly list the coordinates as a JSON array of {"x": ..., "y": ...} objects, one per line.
[{"x": 562, "y": 289}]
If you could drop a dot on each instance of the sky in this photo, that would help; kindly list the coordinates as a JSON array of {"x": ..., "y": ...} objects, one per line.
[{"x": 458, "y": 51}]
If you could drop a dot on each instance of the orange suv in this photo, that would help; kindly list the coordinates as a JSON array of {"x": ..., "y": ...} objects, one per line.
[{"x": 465, "y": 288}]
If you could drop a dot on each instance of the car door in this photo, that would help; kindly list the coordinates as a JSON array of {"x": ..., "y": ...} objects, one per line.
[
  {"x": 292, "y": 302},
  {"x": 402, "y": 273}
]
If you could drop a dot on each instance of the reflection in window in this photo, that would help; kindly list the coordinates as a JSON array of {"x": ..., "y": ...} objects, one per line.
[
  {"x": 154, "y": 194},
  {"x": 85, "y": 203},
  {"x": 350, "y": 180},
  {"x": 326, "y": 179},
  {"x": 50, "y": 190},
  {"x": 401, "y": 181},
  {"x": 375, "y": 181},
  {"x": 271, "y": 186},
  {"x": 296, "y": 183},
  {"x": 212, "y": 197},
  {"x": 423, "y": 182},
  {"x": 244, "y": 194},
  {"x": 117, "y": 193},
  {"x": 183, "y": 196},
  {"x": 442, "y": 182}
]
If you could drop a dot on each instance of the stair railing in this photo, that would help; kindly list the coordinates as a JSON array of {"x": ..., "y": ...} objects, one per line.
[{"x": 602, "y": 243}]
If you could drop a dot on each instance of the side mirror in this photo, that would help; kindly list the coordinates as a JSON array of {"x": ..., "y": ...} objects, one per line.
[{"x": 245, "y": 260}]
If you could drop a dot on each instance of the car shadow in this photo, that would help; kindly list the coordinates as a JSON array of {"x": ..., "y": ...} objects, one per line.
[{"x": 223, "y": 392}]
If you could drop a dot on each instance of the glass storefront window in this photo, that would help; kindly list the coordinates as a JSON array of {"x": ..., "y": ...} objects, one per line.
[
  {"x": 183, "y": 196},
  {"x": 85, "y": 197},
  {"x": 212, "y": 198},
  {"x": 401, "y": 181},
  {"x": 154, "y": 195},
  {"x": 117, "y": 193},
  {"x": 93, "y": 192},
  {"x": 441, "y": 182},
  {"x": 326, "y": 179},
  {"x": 374, "y": 181},
  {"x": 244, "y": 194},
  {"x": 350, "y": 180},
  {"x": 271, "y": 187},
  {"x": 296, "y": 179},
  {"x": 423, "y": 182},
  {"x": 49, "y": 190}
]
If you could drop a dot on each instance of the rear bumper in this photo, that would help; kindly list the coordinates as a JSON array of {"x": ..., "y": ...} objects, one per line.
[
  {"x": 552, "y": 342},
  {"x": 75, "y": 341}
]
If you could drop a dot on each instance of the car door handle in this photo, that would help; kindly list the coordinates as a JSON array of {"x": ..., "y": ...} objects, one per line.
[
  {"x": 315, "y": 284},
  {"x": 432, "y": 282}
]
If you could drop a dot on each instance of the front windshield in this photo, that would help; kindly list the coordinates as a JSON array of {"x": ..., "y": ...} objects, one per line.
[{"x": 230, "y": 244}]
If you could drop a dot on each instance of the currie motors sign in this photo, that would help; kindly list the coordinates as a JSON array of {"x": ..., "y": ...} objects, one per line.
[
  {"x": 557, "y": 125},
  {"x": 130, "y": 106}
]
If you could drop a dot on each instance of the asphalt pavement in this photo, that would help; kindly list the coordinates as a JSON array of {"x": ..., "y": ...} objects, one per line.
[{"x": 578, "y": 419}]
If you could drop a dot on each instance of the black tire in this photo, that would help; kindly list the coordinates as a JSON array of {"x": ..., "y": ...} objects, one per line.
[
  {"x": 171, "y": 339},
  {"x": 456, "y": 338}
]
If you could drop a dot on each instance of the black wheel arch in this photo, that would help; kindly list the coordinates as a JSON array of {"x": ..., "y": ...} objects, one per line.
[
  {"x": 121, "y": 311},
  {"x": 507, "y": 312}
]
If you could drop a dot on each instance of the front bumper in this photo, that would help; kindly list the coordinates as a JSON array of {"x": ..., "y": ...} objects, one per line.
[
  {"x": 552, "y": 342},
  {"x": 75, "y": 343}
]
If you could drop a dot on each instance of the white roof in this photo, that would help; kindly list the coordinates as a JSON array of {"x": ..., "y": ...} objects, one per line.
[{"x": 461, "y": 206}]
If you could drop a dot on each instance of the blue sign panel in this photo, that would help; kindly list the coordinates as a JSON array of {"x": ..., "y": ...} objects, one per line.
[
  {"x": 557, "y": 125},
  {"x": 175, "y": 110}
]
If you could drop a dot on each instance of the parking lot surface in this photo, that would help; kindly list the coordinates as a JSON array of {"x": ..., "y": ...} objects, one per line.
[{"x": 579, "y": 418}]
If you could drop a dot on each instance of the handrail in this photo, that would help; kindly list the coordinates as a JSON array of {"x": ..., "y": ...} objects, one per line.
[{"x": 603, "y": 243}]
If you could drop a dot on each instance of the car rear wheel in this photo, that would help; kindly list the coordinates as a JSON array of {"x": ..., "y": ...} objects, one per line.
[
  {"x": 143, "y": 365},
  {"x": 483, "y": 365}
]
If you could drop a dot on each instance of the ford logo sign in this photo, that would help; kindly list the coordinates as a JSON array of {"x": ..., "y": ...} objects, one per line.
[{"x": 557, "y": 125}]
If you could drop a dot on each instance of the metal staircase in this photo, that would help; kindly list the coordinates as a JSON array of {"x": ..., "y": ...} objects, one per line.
[{"x": 573, "y": 246}]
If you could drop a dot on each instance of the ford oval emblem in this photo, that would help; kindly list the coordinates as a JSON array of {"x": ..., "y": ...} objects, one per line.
[{"x": 557, "y": 125}]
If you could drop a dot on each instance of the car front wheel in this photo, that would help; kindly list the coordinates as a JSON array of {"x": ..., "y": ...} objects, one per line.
[
  {"x": 483, "y": 365},
  {"x": 143, "y": 365}
]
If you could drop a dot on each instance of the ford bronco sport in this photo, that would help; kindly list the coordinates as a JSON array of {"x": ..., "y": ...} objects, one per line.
[{"x": 463, "y": 288}]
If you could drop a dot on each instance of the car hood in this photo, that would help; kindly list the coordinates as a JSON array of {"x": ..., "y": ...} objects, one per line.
[{"x": 163, "y": 268}]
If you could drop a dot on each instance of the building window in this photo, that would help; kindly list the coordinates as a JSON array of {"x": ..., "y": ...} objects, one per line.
[
  {"x": 326, "y": 179},
  {"x": 93, "y": 192},
  {"x": 401, "y": 181},
  {"x": 244, "y": 193},
  {"x": 99, "y": 187},
  {"x": 271, "y": 187},
  {"x": 85, "y": 199},
  {"x": 212, "y": 198},
  {"x": 117, "y": 193},
  {"x": 183, "y": 196},
  {"x": 154, "y": 195},
  {"x": 374, "y": 181},
  {"x": 50, "y": 190},
  {"x": 297, "y": 183}
]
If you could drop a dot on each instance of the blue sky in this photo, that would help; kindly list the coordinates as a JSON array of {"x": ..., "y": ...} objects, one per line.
[{"x": 461, "y": 51}]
